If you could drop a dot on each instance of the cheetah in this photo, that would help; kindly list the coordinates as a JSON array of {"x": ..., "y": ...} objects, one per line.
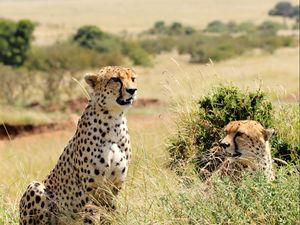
[
  {"x": 247, "y": 141},
  {"x": 94, "y": 164}
]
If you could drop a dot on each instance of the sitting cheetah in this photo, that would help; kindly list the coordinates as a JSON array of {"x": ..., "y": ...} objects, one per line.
[
  {"x": 94, "y": 164},
  {"x": 248, "y": 143}
]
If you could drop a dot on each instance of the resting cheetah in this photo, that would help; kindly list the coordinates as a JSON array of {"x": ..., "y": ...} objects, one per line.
[
  {"x": 248, "y": 142},
  {"x": 94, "y": 164}
]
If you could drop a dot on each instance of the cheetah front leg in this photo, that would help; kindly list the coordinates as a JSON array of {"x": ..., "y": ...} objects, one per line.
[{"x": 37, "y": 206}]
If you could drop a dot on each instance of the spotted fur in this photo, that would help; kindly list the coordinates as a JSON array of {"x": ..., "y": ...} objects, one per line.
[
  {"x": 94, "y": 164},
  {"x": 248, "y": 141}
]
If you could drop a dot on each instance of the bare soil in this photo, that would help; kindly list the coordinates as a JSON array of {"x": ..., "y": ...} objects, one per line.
[{"x": 11, "y": 131}]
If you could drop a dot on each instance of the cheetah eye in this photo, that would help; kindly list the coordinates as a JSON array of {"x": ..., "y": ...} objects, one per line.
[
  {"x": 238, "y": 134},
  {"x": 133, "y": 79},
  {"x": 116, "y": 79}
]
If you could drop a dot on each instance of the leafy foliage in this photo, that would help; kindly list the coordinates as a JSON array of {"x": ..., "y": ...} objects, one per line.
[
  {"x": 270, "y": 27},
  {"x": 267, "y": 27},
  {"x": 136, "y": 53},
  {"x": 159, "y": 44},
  {"x": 285, "y": 9},
  {"x": 15, "y": 38},
  {"x": 202, "y": 129},
  {"x": 175, "y": 29},
  {"x": 201, "y": 47},
  {"x": 92, "y": 37},
  {"x": 54, "y": 64}
]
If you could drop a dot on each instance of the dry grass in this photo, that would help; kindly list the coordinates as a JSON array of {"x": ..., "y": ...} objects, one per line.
[
  {"x": 174, "y": 77},
  {"x": 153, "y": 194},
  {"x": 58, "y": 19},
  {"x": 31, "y": 158}
]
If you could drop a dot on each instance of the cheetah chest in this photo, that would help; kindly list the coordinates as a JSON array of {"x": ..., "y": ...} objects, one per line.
[{"x": 114, "y": 164}]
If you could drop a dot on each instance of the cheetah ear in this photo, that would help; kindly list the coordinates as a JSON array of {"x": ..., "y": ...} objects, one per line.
[
  {"x": 268, "y": 133},
  {"x": 91, "y": 80}
]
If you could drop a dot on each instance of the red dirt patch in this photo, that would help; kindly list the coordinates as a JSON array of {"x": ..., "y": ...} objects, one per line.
[
  {"x": 145, "y": 102},
  {"x": 9, "y": 131}
]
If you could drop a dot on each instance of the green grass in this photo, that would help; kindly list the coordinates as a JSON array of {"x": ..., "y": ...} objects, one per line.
[
  {"x": 19, "y": 115},
  {"x": 153, "y": 194},
  {"x": 252, "y": 201}
]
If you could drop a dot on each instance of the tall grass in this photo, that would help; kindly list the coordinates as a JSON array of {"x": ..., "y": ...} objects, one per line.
[{"x": 154, "y": 194}]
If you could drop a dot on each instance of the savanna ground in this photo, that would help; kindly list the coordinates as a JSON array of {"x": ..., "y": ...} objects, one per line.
[{"x": 153, "y": 194}]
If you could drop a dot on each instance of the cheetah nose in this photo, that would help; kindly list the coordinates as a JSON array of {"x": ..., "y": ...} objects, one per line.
[
  {"x": 131, "y": 90},
  {"x": 224, "y": 145}
]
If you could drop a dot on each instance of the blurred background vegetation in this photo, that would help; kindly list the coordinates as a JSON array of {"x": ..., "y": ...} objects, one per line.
[
  {"x": 182, "y": 51},
  {"x": 90, "y": 48}
]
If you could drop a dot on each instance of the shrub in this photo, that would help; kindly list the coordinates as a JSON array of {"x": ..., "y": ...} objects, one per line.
[
  {"x": 136, "y": 53},
  {"x": 270, "y": 27},
  {"x": 202, "y": 128},
  {"x": 158, "y": 45},
  {"x": 202, "y": 48},
  {"x": 216, "y": 26},
  {"x": 15, "y": 38},
  {"x": 16, "y": 85},
  {"x": 175, "y": 29},
  {"x": 68, "y": 57},
  {"x": 159, "y": 28},
  {"x": 93, "y": 38},
  {"x": 57, "y": 64}
]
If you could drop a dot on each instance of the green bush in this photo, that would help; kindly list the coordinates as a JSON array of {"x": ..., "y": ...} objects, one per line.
[
  {"x": 175, "y": 29},
  {"x": 158, "y": 45},
  {"x": 58, "y": 62},
  {"x": 15, "y": 39},
  {"x": 68, "y": 57},
  {"x": 201, "y": 129},
  {"x": 216, "y": 26},
  {"x": 202, "y": 47},
  {"x": 266, "y": 27},
  {"x": 270, "y": 27},
  {"x": 136, "y": 53},
  {"x": 93, "y": 38},
  {"x": 248, "y": 27}
]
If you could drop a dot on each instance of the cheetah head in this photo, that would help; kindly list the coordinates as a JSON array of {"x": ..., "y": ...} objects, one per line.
[
  {"x": 246, "y": 139},
  {"x": 113, "y": 87}
]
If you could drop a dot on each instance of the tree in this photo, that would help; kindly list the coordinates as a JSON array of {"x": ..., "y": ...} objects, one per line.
[
  {"x": 15, "y": 39},
  {"x": 295, "y": 13},
  {"x": 284, "y": 9},
  {"x": 159, "y": 27}
]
